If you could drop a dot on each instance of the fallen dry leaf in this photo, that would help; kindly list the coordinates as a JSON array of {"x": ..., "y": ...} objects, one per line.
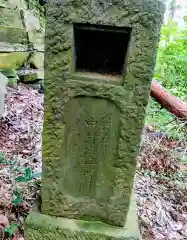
[{"x": 3, "y": 220}]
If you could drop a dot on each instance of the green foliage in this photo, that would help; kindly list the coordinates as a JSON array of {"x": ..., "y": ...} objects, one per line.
[
  {"x": 16, "y": 198},
  {"x": 171, "y": 67},
  {"x": 176, "y": 178},
  {"x": 20, "y": 174},
  {"x": 10, "y": 229},
  {"x": 171, "y": 72},
  {"x": 165, "y": 122},
  {"x": 27, "y": 176},
  {"x": 2, "y": 158},
  {"x": 167, "y": 30}
]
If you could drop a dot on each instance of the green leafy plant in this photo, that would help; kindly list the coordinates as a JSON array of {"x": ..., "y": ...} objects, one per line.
[
  {"x": 27, "y": 176},
  {"x": 171, "y": 66},
  {"x": 171, "y": 72},
  {"x": 16, "y": 199},
  {"x": 11, "y": 229},
  {"x": 20, "y": 175}
]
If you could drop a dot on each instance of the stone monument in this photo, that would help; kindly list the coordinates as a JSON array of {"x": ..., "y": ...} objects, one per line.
[{"x": 99, "y": 62}]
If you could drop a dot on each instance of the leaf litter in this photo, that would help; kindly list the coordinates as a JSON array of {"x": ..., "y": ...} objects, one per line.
[{"x": 160, "y": 185}]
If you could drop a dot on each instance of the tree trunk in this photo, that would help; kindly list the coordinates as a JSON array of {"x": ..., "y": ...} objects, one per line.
[
  {"x": 173, "y": 104},
  {"x": 173, "y": 8}
]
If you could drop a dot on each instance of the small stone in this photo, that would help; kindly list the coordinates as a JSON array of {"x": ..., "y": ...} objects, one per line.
[
  {"x": 20, "y": 238},
  {"x": 21, "y": 219},
  {"x": 3, "y": 220}
]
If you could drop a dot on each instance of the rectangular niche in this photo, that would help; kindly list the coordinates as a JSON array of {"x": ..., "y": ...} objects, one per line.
[{"x": 100, "y": 49}]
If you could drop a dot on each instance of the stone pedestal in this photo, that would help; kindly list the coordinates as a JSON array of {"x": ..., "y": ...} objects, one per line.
[
  {"x": 99, "y": 64},
  {"x": 40, "y": 226}
]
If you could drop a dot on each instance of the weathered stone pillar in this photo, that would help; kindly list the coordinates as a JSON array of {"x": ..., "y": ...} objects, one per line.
[{"x": 99, "y": 62}]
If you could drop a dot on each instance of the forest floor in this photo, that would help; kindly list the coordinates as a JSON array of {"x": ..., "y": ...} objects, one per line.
[{"x": 160, "y": 182}]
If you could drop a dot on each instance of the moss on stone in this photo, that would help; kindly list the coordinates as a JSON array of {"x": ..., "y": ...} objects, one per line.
[
  {"x": 12, "y": 60},
  {"x": 13, "y": 35},
  {"x": 37, "y": 59},
  {"x": 13, "y": 22},
  {"x": 8, "y": 72},
  {"x": 39, "y": 226},
  {"x": 19, "y": 33},
  {"x": 11, "y": 75},
  {"x": 33, "y": 77},
  {"x": 10, "y": 17},
  {"x": 62, "y": 154}
]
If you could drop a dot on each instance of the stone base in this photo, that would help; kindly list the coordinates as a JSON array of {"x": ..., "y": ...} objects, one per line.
[{"x": 43, "y": 227}]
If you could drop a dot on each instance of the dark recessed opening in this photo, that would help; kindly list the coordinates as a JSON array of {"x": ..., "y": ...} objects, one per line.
[
  {"x": 42, "y": 2},
  {"x": 100, "y": 49}
]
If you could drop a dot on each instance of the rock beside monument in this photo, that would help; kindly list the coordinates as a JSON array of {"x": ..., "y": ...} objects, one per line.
[
  {"x": 22, "y": 29},
  {"x": 3, "y": 83}
]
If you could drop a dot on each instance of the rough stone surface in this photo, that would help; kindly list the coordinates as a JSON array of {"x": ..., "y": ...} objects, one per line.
[
  {"x": 12, "y": 60},
  {"x": 10, "y": 17},
  {"x": 39, "y": 226},
  {"x": 92, "y": 131},
  {"x": 3, "y": 83},
  {"x": 6, "y": 47},
  {"x": 37, "y": 59},
  {"x": 34, "y": 27},
  {"x": 11, "y": 27},
  {"x": 22, "y": 27},
  {"x": 29, "y": 78},
  {"x": 13, "y": 35}
]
